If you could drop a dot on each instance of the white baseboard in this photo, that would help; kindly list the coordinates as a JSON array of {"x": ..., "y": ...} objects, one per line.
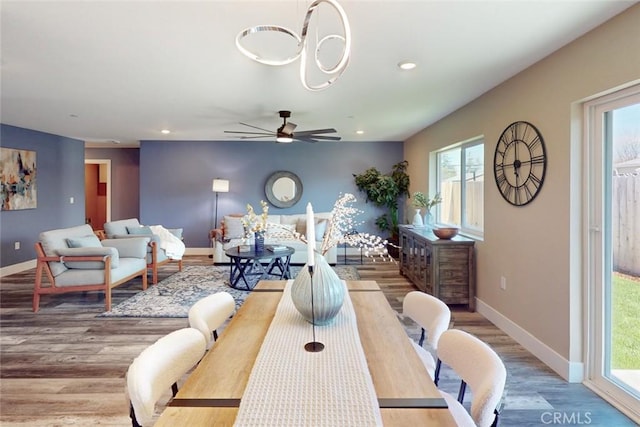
[
  {"x": 17, "y": 268},
  {"x": 572, "y": 372}
]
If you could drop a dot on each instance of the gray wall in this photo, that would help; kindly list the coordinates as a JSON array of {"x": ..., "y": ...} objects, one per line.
[{"x": 59, "y": 176}]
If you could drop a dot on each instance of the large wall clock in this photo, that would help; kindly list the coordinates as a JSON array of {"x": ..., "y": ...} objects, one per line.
[{"x": 519, "y": 163}]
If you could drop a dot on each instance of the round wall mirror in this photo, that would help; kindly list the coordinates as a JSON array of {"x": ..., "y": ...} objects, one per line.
[{"x": 283, "y": 189}]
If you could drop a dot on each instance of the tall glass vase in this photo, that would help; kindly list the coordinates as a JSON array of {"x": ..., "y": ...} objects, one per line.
[
  {"x": 428, "y": 219},
  {"x": 328, "y": 292}
]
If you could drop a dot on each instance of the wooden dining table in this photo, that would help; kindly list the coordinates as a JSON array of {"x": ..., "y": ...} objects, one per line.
[{"x": 406, "y": 393}]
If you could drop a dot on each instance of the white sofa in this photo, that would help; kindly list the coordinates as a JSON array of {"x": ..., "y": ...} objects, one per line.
[{"x": 231, "y": 233}]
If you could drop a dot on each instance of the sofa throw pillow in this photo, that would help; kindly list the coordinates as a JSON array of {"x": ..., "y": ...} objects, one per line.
[
  {"x": 233, "y": 227},
  {"x": 281, "y": 231},
  {"x": 301, "y": 226},
  {"x": 139, "y": 230},
  {"x": 89, "y": 241},
  {"x": 320, "y": 229}
]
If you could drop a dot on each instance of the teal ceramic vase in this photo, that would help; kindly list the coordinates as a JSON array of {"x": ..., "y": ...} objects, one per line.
[{"x": 328, "y": 292}]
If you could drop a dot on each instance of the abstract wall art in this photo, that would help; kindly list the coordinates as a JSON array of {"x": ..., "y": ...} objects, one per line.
[{"x": 18, "y": 179}]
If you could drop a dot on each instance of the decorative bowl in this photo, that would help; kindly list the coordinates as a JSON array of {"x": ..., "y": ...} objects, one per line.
[{"x": 445, "y": 233}]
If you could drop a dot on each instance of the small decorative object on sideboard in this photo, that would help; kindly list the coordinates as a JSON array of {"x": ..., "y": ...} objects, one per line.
[{"x": 445, "y": 233}]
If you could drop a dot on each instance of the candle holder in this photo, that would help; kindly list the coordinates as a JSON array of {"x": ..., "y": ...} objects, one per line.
[{"x": 313, "y": 346}]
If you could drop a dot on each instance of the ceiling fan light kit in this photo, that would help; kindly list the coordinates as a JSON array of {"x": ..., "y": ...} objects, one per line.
[
  {"x": 336, "y": 71},
  {"x": 284, "y": 139}
]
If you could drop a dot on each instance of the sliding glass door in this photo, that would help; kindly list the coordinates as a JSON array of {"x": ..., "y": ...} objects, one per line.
[{"x": 613, "y": 217}]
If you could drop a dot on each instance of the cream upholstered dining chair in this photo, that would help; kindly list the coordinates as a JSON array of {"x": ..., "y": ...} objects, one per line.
[
  {"x": 209, "y": 313},
  {"x": 158, "y": 368},
  {"x": 482, "y": 369},
  {"x": 433, "y": 316}
]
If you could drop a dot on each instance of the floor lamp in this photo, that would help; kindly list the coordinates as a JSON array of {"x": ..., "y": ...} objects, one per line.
[{"x": 219, "y": 186}]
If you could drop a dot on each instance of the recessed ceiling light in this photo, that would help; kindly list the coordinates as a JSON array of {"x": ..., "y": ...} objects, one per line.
[
  {"x": 407, "y": 65},
  {"x": 359, "y": 132},
  {"x": 165, "y": 131}
]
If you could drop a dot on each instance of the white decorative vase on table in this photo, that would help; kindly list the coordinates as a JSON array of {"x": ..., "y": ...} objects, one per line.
[
  {"x": 417, "y": 219},
  {"x": 328, "y": 292}
]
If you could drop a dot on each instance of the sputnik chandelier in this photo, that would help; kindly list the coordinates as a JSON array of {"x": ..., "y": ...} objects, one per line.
[{"x": 301, "y": 52}]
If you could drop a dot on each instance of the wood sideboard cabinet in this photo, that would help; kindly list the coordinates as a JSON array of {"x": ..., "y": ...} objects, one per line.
[{"x": 443, "y": 268}]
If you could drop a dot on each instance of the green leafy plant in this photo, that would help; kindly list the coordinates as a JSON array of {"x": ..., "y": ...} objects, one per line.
[
  {"x": 385, "y": 190},
  {"x": 422, "y": 201}
]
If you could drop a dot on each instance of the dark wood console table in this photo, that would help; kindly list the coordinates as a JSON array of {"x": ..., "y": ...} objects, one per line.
[{"x": 443, "y": 268}]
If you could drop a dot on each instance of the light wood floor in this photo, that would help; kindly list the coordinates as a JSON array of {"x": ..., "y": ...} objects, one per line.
[{"x": 65, "y": 366}]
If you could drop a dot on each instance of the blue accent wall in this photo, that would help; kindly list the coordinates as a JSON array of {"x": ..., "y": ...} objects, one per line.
[
  {"x": 169, "y": 183},
  {"x": 59, "y": 176},
  {"x": 176, "y": 178}
]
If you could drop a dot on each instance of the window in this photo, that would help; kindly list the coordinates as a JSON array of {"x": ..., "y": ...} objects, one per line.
[{"x": 460, "y": 182}]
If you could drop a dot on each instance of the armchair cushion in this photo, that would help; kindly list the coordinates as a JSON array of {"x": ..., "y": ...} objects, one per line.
[
  {"x": 119, "y": 228},
  {"x": 135, "y": 247},
  {"x": 90, "y": 251},
  {"x": 53, "y": 240},
  {"x": 139, "y": 230},
  {"x": 91, "y": 241}
]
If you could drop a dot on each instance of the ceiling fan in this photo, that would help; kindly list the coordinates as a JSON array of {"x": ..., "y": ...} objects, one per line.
[{"x": 284, "y": 134}]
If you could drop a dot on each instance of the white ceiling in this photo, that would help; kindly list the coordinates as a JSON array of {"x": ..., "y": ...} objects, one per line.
[{"x": 124, "y": 70}]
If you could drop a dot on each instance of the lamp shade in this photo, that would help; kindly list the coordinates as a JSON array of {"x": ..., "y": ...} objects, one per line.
[{"x": 220, "y": 185}]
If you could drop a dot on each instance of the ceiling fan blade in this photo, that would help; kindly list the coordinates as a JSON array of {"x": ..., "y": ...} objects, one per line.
[
  {"x": 303, "y": 139},
  {"x": 244, "y": 132},
  {"x": 323, "y": 137},
  {"x": 256, "y": 127},
  {"x": 288, "y": 128},
  {"x": 255, "y": 137},
  {"x": 310, "y": 132}
]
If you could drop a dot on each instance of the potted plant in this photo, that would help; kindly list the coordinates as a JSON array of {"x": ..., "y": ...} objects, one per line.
[
  {"x": 421, "y": 201},
  {"x": 385, "y": 190}
]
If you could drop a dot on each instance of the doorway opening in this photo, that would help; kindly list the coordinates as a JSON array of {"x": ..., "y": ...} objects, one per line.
[{"x": 97, "y": 188}]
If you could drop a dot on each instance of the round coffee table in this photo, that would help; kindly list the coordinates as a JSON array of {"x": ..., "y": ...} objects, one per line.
[{"x": 260, "y": 265}]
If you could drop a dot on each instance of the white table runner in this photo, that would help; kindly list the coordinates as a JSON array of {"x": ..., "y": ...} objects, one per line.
[{"x": 289, "y": 386}]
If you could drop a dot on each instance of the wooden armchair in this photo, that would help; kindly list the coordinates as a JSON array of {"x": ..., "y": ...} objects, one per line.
[
  {"x": 156, "y": 256},
  {"x": 75, "y": 260}
]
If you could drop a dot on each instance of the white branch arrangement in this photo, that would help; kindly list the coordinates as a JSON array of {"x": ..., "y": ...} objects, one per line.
[{"x": 340, "y": 230}]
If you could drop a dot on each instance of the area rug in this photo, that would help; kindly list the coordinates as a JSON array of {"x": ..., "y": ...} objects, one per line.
[{"x": 174, "y": 296}]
